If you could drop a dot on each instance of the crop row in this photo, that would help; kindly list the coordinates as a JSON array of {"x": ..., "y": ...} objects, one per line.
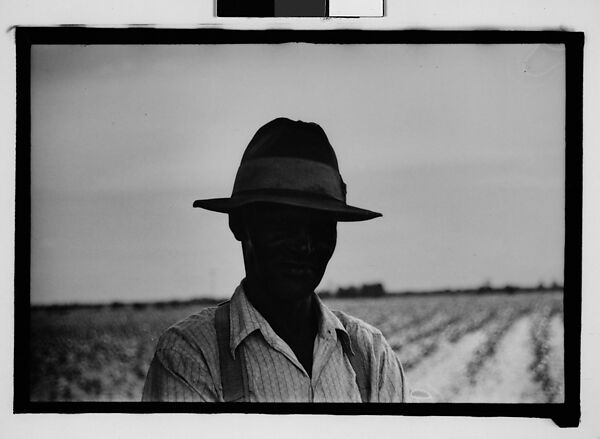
[
  {"x": 540, "y": 366},
  {"x": 495, "y": 332}
]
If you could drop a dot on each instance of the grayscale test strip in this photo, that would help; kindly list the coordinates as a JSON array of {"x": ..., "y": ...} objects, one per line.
[{"x": 304, "y": 8}]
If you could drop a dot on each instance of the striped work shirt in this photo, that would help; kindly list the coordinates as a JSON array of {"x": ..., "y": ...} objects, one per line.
[{"x": 185, "y": 366}]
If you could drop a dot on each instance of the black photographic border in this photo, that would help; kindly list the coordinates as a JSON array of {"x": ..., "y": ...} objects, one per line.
[{"x": 566, "y": 414}]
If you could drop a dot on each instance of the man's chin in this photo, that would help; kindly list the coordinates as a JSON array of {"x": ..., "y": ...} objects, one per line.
[{"x": 294, "y": 290}]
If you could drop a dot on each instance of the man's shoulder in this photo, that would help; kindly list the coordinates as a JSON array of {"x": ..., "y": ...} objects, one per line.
[{"x": 195, "y": 332}]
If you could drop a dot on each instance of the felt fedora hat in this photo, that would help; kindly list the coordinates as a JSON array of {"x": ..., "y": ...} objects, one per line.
[{"x": 292, "y": 163}]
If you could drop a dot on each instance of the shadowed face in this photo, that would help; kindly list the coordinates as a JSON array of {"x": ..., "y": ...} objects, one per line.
[{"x": 286, "y": 249}]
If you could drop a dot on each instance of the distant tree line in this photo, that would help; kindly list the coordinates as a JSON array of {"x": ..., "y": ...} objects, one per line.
[
  {"x": 511, "y": 289},
  {"x": 377, "y": 290},
  {"x": 203, "y": 301},
  {"x": 487, "y": 288},
  {"x": 365, "y": 290}
]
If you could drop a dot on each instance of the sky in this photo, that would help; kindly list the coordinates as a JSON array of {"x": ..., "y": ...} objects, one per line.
[{"x": 461, "y": 147}]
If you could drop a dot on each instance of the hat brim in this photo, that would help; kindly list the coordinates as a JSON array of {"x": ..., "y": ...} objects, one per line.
[{"x": 338, "y": 210}]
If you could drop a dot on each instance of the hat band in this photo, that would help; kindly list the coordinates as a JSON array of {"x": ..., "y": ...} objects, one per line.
[{"x": 277, "y": 173}]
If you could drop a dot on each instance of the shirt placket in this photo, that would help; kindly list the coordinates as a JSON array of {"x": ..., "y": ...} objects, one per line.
[
  {"x": 282, "y": 347},
  {"x": 324, "y": 348}
]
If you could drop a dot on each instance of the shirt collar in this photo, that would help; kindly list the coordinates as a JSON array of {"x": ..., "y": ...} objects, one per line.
[
  {"x": 244, "y": 319},
  {"x": 330, "y": 327}
]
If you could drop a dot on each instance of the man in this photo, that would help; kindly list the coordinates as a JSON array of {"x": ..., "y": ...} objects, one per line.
[{"x": 275, "y": 340}]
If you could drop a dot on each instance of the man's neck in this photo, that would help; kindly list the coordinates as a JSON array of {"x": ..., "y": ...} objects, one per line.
[{"x": 291, "y": 320}]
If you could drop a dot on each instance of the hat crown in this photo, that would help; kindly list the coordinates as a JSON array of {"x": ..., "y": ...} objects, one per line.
[{"x": 283, "y": 137}]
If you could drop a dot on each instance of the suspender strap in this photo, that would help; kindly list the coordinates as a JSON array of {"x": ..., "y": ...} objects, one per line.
[
  {"x": 357, "y": 361},
  {"x": 233, "y": 378}
]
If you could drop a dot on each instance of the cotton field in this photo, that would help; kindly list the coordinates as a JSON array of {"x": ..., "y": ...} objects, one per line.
[{"x": 456, "y": 348}]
